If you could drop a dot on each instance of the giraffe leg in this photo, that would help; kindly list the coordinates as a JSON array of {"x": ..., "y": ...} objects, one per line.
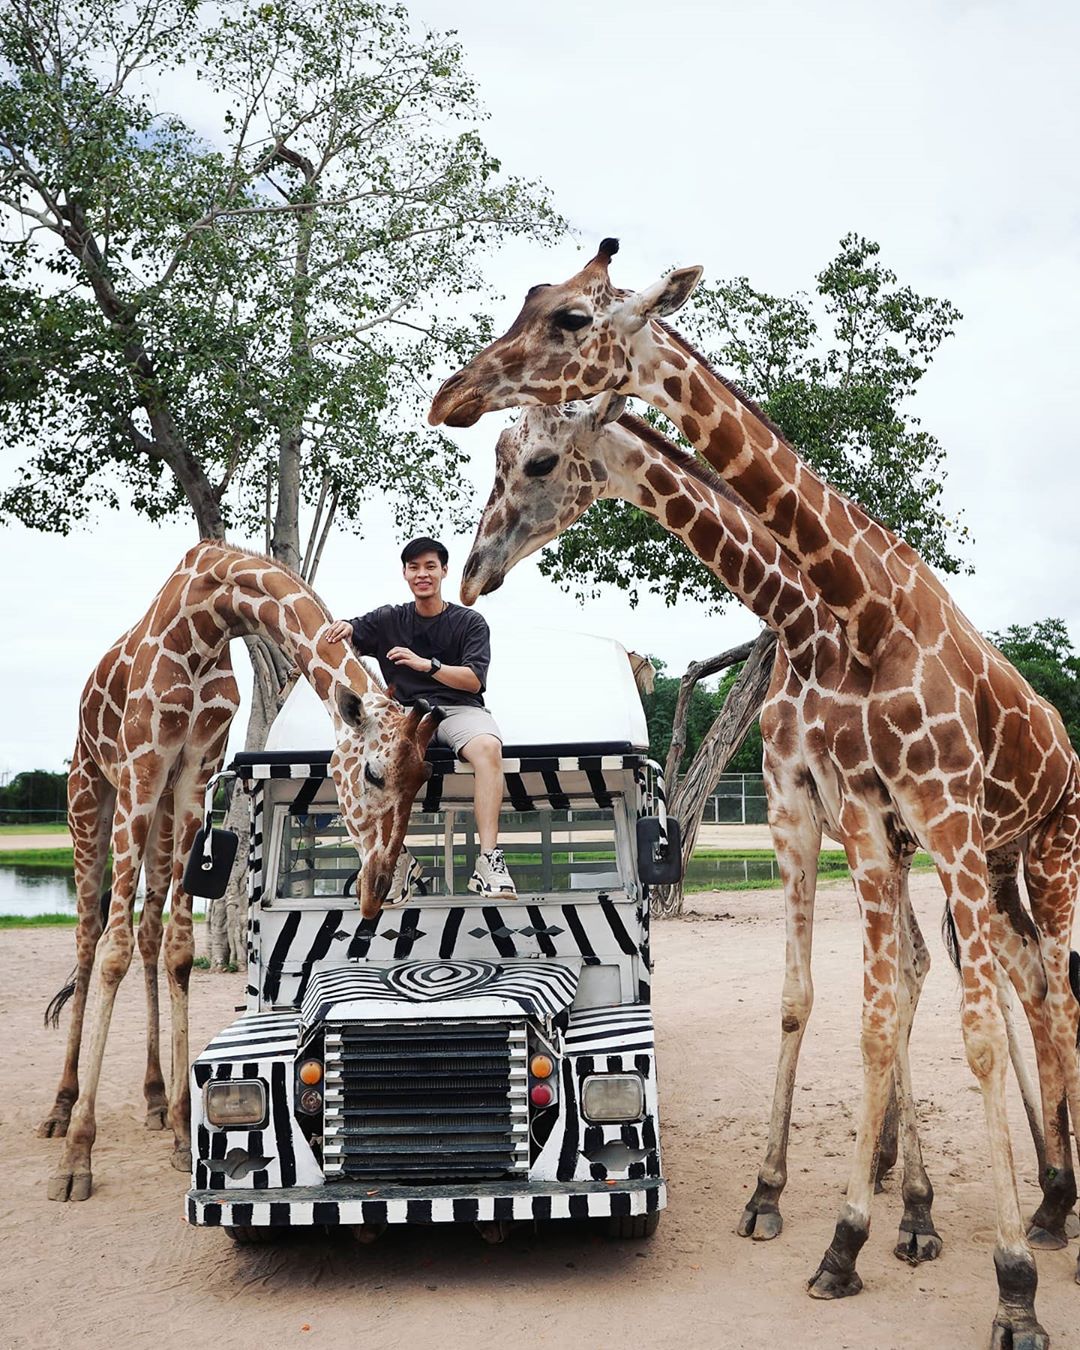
[
  {"x": 90, "y": 807},
  {"x": 180, "y": 949},
  {"x": 158, "y": 873},
  {"x": 956, "y": 843},
  {"x": 918, "y": 1239},
  {"x": 875, "y": 870},
  {"x": 797, "y": 840},
  {"x": 72, "y": 1179},
  {"x": 1017, "y": 947},
  {"x": 1052, "y": 865}
]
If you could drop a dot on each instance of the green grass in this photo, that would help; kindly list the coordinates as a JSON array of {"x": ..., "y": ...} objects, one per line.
[
  {"x": 57, "y": 827},
  {"x": 37, "y": 920},
  {"x": 59, "y": 920},
  {"x": 37, "y": 857}
]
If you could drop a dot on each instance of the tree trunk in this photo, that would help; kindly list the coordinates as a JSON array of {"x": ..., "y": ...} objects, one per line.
[
  {"x": 739, "y": 713},
  {"x": 225, "y": 918}
]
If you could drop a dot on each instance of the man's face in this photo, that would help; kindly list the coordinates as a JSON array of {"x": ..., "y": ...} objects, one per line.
[{"x": 424, "y": 576}]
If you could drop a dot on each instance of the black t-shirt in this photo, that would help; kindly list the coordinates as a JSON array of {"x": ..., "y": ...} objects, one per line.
[{"x": 458, "y": 637}]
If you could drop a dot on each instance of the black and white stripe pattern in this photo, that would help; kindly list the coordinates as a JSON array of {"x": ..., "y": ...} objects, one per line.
[
  {"x": 255, "y": 1036},
  {"x": 348, "y": 1204},
  {"x": 536, "y": 990},
  {"x": 258, "y": 1046},
  {"x": 294, "y": 944},
  {"x": 598, "y": 1031}
]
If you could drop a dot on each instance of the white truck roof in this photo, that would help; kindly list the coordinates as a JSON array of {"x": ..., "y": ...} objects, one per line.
[{"x": 544, "y": 687}]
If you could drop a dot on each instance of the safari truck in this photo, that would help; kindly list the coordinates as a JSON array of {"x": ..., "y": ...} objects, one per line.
[{"x": 456, "y": 1059}]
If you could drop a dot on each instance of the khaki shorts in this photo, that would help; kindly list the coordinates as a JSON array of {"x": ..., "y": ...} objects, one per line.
[{"x": 462, "y": 723}]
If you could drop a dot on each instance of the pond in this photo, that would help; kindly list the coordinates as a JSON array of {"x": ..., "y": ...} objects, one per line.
[{"x": 42, "y": 890}]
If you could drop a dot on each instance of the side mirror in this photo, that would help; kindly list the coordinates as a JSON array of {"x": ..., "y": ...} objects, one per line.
[
  {"x": 659, "y": 863},
  {"x": 209, "y": 867}
]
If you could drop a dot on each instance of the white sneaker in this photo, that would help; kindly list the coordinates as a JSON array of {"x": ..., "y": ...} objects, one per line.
[
  {"x": 491, "y": 877},
  {"x": 408, "y": 879}
]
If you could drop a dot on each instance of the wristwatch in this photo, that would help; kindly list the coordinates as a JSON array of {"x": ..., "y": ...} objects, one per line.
[{"x": 435, "y": 667}]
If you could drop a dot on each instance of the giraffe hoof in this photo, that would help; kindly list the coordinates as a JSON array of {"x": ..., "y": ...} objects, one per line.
[
  {"x": 768, "y": 1226},
  {"x": 70, "y": 1186},
  {"x": 760, "y": 1223},
  {"x": 181, "y": 1157},
  {"x": 1046, "y": 1239},
  {"x": 1072, "y": 1226},
  {"x": 54, "y": 1126},
  {"x": 1018, "y": 1333},
  {"x": 834, "y": 1284},
  {"x": 915, "y": 1248},
  {"x": 156, "y": 1117}
]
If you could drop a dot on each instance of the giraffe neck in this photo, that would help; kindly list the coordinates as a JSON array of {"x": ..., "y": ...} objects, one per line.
[
  {"x": 858, "y": 565},
  {"x": 727, "y": 539},
  {"x": 253, "y": 596}
]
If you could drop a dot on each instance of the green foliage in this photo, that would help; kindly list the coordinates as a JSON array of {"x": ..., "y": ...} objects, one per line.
[
  {"x": 660, "y": 712},
  {"x": 1043, "y": 653},
  {"x": 211, "y": 325},
  {"x": 747, "y": 759},
  {"x": 834, "y": 370},
  {"x": 34, "y": 791}
]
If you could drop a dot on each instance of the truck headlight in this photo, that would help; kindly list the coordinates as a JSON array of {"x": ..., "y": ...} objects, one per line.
[
  {"x": 236, "y": 1102},
  {"x": 610, "y": 1097}
]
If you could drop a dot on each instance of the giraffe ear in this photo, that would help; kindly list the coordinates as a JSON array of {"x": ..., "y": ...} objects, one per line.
[
  {"x": 607, "y": 408},
  {"x": 665, "y": 296},
  {"x": 355, "y": 709}
]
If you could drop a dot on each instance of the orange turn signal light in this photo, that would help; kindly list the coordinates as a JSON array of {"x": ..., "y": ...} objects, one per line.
[
  {"x": 542, "y": 1066},
  {"x": 311, "y": 1072}
]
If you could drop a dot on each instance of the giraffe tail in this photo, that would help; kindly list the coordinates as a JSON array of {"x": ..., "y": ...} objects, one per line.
[
  {"x": 58, "y": 1001},
  {"x": 950, "y": 938},
  {"x": 1074, "y": 980}
]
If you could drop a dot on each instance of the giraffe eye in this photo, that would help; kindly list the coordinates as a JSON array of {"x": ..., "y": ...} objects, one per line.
[
  {"x": 539, "y": 468},
  {"x": 571, "y": 319},
  {"x": 373, "y": 778}
]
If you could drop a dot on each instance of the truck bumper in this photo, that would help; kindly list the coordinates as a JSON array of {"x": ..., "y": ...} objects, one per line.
[{"x": 356, "y": 1203}]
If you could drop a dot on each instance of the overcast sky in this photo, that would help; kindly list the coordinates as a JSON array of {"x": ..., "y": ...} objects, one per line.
[{"x": 747, "y": 138}]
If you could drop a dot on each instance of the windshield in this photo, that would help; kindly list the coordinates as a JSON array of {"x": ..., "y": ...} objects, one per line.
[{"x": 547, "y": 852}]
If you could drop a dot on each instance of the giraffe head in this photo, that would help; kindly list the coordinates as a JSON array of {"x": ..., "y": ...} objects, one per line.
[
  {"x": 378, "y": 767},
  {"x": 549, "y": 469},
  {"x": 570, "y": 341}
]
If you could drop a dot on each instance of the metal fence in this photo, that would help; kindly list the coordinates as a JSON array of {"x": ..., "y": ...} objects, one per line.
[
  {"x": 738, "y": 799},
  {"x": 45, "y": 816}
]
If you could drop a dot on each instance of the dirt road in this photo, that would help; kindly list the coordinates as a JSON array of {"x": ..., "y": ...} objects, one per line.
[{"x": 124, "y": 1269}]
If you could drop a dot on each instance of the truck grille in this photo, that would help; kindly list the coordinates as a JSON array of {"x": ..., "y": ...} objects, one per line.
[{"x": 424, "y": 1101}]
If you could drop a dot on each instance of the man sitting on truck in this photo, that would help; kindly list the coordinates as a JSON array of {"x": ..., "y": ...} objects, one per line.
[{"x": 440, "y": 652}]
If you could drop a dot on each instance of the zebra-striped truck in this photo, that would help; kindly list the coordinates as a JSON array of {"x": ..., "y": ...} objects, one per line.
[{"x": 457, "y": 1060}]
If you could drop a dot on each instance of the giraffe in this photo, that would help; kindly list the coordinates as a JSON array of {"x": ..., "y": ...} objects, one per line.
[
  {"x": 971, "y": 758},
  {"x": 550, "y": 466},
  {"x": 153, "y": 725}
]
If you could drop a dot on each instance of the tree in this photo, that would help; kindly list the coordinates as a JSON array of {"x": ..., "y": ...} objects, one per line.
[
  {"x": 34, "y": 792},
  {"x": 660, "y": 716},
  {"x": 1043, "y": 653},
  {"x": 241, "y": 329},
  {"x": 835, "y": 371},
  {"x": 747, "y": 758}
]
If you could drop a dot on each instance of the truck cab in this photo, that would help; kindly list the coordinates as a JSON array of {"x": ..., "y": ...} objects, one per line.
[{"x": 455, "y": 1059}]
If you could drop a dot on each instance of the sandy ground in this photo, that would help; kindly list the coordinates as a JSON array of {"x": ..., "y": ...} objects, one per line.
[
  {"x": 10, "y": 843},
  {"x": 124, "y": 1268}
]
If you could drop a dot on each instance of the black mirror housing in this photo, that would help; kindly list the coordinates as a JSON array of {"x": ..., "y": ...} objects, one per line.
[
  {"x": 659, "y": 864},
  {"x": 209, "y": 877}
]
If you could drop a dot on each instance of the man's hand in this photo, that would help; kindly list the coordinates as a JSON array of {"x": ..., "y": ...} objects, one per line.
[
  {"x": 339, "y": 631},
  {"x": 402, "y": 656}
]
